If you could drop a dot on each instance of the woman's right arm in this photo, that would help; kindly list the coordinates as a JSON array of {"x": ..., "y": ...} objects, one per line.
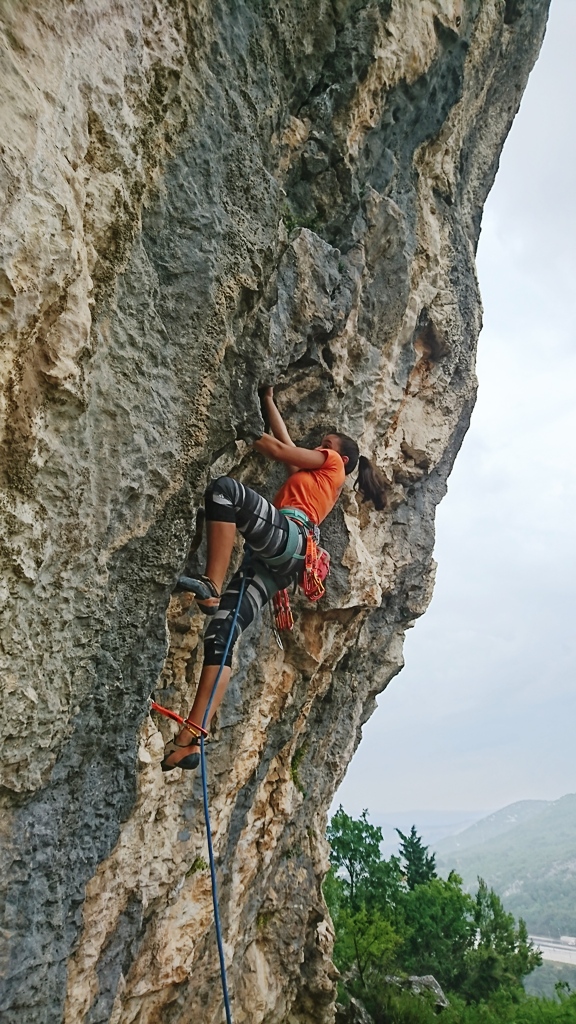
[
  {"x": 277, "y": 426},
  {"x": 271, "y": 413}
]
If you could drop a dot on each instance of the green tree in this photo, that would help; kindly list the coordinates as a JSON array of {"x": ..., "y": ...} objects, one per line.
[
  {"x": 384, "y": 888},
  {"x": 355, "y": 850},
  {"x": 360, "y": 891},
  {"x": 365, "y": 945},
  {"x": 419, "y": 865},
  {"x": 509, "y": 1007},
  {"x": 439, "y": 930},
  {"x": 502, "y": 954}
]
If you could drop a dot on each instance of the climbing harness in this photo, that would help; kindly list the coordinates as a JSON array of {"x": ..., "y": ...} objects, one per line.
[
  {"x": 203, "y": 733},
  {"x": 316, "y": 567}
]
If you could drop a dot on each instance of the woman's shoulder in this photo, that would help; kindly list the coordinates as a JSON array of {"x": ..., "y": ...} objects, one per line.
[{"x": 333, "y": 460}]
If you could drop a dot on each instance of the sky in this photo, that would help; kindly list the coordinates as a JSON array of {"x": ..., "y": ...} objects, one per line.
[{"x": 484, "y": 712}]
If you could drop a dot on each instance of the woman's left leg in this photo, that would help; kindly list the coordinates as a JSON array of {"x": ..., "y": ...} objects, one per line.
[
  {"x": 229, "y": 505},
  {"x": 259, "y": 587}
]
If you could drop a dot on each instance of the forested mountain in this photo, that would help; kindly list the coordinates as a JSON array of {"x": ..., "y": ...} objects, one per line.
[{"x": 527, "y": 853}]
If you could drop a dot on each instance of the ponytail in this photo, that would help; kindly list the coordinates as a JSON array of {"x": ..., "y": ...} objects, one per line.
[{"x": 371, "y": 483}]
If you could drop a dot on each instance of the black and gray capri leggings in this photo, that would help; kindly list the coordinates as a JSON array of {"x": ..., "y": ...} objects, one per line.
[{"x": 265, "y": 530}]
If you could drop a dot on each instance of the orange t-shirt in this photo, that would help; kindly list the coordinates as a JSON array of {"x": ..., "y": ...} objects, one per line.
[{"x": 314, "y": 491}]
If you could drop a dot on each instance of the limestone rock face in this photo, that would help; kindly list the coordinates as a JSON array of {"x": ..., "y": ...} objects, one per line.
[{"x": 197, "y": 198}]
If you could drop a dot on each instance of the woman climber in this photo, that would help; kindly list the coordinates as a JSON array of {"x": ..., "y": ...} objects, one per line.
[{"x": 277, "y": 534}]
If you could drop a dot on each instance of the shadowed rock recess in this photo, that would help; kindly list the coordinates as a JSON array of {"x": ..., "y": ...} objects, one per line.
[{"x": 198, "y": 197}]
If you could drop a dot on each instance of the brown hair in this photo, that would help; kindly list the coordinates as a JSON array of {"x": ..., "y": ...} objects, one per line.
[{"x": 371, "y": 481}]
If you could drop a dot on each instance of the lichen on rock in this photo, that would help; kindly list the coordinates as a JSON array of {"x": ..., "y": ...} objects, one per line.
[{"x": 197, "y": 199}]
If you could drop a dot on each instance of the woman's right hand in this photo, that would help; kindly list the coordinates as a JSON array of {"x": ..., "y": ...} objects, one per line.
[{"x": 266, "y": 392}]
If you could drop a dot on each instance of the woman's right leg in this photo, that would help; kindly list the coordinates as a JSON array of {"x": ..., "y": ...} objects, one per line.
[
  {"x": 231, "y": 505},
  {"x": 260, "y": 523},
  {"x": 220, "y": 541}
]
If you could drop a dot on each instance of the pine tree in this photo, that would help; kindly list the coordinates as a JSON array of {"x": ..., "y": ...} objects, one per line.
[{"x": 419, "y": 865}]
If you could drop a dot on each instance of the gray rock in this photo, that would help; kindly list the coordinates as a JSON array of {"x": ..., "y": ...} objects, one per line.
[
  {"x": 424, "y": 984},
  {"x": 196, "y": 199},
  {"x": 428, "y": 983},
  {"x": 353, "y": 1013}
]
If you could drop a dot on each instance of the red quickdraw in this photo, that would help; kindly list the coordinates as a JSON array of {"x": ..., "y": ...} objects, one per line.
[
  {"x": 282, "y": 610},
  {"x": 316, "y": 568},
  {"x": 186, "y": 722}
]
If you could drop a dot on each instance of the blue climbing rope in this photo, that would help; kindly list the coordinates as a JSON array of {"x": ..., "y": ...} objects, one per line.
[
  {"x": 181, "y": 721},
  {"x": 207, "y": 811}
]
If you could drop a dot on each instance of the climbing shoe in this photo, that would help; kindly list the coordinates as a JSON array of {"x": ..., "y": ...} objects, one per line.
[
  {"x": 190, "y": 761},
  {"x": 204, "y": 590}
]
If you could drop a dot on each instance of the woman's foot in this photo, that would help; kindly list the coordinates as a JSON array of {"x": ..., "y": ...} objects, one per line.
[
  {"x": 182, "y": 755},
  {"x": 205, "y": 590}
]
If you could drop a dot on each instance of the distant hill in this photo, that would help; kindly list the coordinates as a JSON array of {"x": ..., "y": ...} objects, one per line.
[
  {"x": 489, "y": 828},
  {"x": 527, "y": 853},
  {"x": 431, "y": 825}
]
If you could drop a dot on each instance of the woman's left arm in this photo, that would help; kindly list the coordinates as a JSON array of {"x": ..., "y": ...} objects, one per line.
[{"x": 289, "y": 454}]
